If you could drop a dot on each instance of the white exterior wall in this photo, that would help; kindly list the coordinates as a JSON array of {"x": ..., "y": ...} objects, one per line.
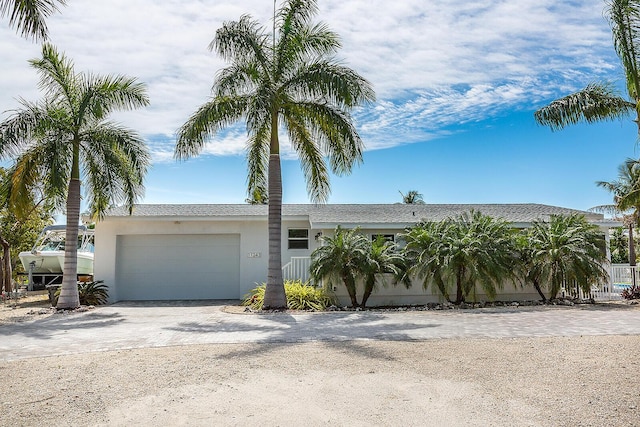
[
  {"x": 297, "y": 224},
  {"x": 399, "y": 295},
  {"x": 253, "y": 241},
  {"x": 254, "y": 255}
]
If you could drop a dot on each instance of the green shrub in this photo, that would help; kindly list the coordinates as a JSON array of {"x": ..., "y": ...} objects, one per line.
[
  {"x": 300, "y": 296},
  {"x": 90, "y": 293}
]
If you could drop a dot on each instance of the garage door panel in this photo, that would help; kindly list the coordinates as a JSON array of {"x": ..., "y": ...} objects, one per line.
[{"x": 158, "y": 267}]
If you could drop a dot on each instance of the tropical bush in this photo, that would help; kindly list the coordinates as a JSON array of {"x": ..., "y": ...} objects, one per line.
[
  {"x": 349, "y": 256},
  {"x": 632, "y": 292},
  {"x": 90, "y": 293},
  {"x": 300, "y": 296},
  {"x": 460, "y": 253},
  {"x": 342, "y": 257},
  {"x": 564, "y": 251}
]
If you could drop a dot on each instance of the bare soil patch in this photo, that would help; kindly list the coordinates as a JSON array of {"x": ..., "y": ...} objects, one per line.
[
  {"x": 579, "y": 381},
  {"x": 34, "y": 305}
]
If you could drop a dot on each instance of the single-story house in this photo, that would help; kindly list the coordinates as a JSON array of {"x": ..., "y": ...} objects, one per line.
[{"x": 190, "y": 252}]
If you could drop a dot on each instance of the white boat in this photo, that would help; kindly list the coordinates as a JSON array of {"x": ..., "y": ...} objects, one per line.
[{"x": 47, "y": 255}]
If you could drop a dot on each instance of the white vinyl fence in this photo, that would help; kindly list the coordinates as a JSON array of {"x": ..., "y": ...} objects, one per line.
[
  {"x": 621, "y": 277},
  {"x": 297, "y": 269}
]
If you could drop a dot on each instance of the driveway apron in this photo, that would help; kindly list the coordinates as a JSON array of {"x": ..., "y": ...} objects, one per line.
[{"x": 157, "y": 324}]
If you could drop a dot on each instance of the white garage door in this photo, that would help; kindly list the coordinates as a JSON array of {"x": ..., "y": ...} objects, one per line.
[{"x": 178, "y": 267}]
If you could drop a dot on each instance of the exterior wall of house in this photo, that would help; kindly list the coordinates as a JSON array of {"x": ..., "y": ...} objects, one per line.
[
  {"x": 287, "y": 253},
  {"x": 392, "y": 295},
  {"x": 254, "y": 255},
  {"x": 253, "y": 245}
]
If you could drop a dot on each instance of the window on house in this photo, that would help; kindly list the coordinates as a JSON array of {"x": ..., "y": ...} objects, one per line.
[
  {"x": 387, "y": 237},
  {"x": 298, "y": 238}
]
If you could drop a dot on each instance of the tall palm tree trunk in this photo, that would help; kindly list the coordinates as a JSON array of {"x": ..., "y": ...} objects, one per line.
[
  {"x": 275, "y": 297},
  {"x": 69, "y": 292}
]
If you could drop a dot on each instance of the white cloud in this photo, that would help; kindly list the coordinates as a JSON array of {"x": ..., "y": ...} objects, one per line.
[{"x": 433, "y": 64}]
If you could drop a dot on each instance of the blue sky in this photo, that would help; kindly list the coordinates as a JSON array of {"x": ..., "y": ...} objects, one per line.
[{"x": 457, "y": 86}]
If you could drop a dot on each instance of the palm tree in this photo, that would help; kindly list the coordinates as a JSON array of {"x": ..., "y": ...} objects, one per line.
[
  {"x": 66, "y": 137},
  {"x": 461, "y": 253},
  {"x": 341, "y": 258},
  {"x": 599, "y": 101},
  {"x": 626, "y": 199},
  {"x": 383, "y": 258},
  {"x": 289, "y": 79},
  {"x": 567, "y": 250},
  {"x": 619, "y": 244},
  {"x": 29, "y": 16},
  {"x": 412, "y": 198}
]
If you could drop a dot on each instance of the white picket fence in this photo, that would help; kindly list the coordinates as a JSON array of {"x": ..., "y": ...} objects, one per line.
[
  {"x": 621, "y": 277},
  {"x": 297, "y": 269}
]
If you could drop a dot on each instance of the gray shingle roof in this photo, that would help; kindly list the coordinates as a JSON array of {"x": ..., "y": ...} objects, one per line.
[{"x": 330, "y": 215}]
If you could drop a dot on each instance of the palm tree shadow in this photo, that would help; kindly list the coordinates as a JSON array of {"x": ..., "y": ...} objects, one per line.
[
  {"x": 46, "y": 328},
  {"x": 285, "y": 328}
]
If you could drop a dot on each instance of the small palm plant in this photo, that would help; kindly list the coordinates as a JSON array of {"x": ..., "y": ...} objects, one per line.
[
  {"x": 461, "y": 253},
  {"x": 567, "y": 250},
  {"x": 341, "y": 258},
  {"x": 383, "y": 259}
]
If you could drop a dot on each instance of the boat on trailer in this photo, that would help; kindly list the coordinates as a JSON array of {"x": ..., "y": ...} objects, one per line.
[{"x": 46, "y": 260}]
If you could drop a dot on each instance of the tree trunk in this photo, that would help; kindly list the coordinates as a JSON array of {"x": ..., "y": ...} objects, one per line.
[
  {"x": 350, "y": 284},
  {"x": 632, "y": 247},
  {"x": 274, "y": 297},
  {"x": 632, "y": 255},
  {"x": 69, "y": 298},
  {"x": 368, "y": 289},
  {"x": 6, "y": 265},
  {"x": 459, "y": 292},
  {"x": 536, "y": 285}
]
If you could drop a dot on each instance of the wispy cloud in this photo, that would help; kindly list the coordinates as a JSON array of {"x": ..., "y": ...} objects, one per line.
[{"x": 433, "y": 64}]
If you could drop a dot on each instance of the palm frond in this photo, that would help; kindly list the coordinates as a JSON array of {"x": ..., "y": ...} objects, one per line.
[
  {"x": 596, "y": 102},
  {"x": 624, "y": 18},
  {"x": 258, "y": 161},
  {"x": 311, "y": 158},
  {"x": 29, "y": 16},
  {"x": 243, "y": 41},
  {"x": 207, "y": 121},
  {"x": 116, "y": 160}
]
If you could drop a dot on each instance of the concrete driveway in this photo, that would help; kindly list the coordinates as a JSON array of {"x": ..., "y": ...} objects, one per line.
[{"x": 158, "y": 324}]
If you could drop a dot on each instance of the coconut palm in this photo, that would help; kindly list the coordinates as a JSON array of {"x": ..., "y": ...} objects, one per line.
[
  {"x": 567, "y": 250},
  {"x": 412, "y": 198},
  {"x": 28, "y": 16},
  {"x": 599, "y": 101},
  {"x": 383, "y": 258},
  {"x": 67, "y": 137},
  {"x": 626, "y": 199},
  {"x": 290, "y": 79},
  {"x": 342, "y": 257},
  {"x": 461, "y": 253}
]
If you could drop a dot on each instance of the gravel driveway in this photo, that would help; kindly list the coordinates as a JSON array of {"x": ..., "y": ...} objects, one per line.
[{"x": 141, "y": 364}]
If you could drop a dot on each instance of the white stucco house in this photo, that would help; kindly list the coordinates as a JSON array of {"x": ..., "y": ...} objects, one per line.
[{"x": 190, "y": 252}]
